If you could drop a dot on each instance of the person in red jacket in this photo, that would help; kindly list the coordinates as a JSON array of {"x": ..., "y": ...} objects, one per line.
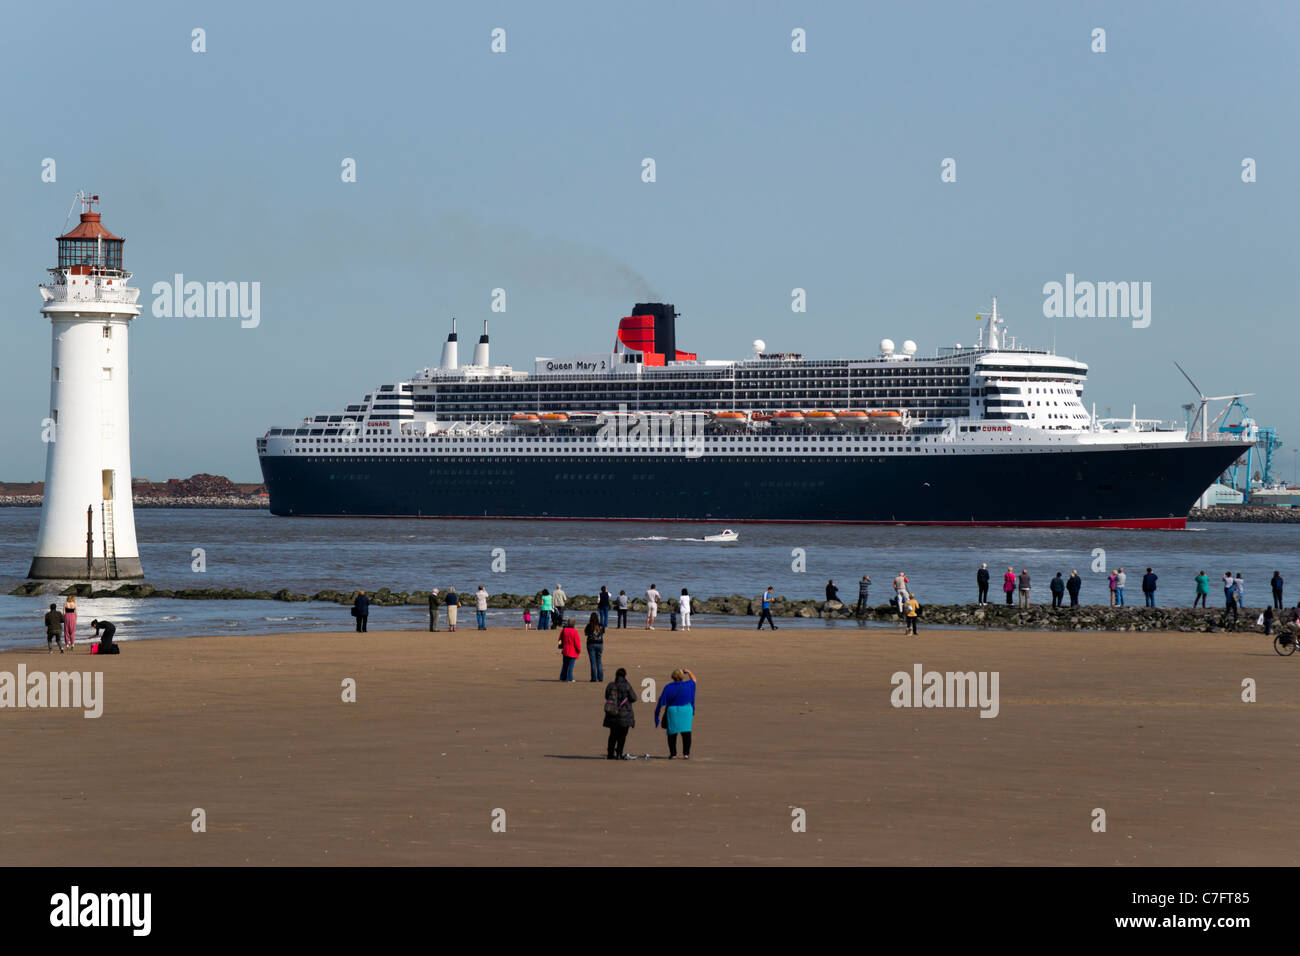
[{"x": 570, "y": 646}]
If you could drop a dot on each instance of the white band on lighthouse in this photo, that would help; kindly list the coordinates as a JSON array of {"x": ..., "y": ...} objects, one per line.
[{"x": 87, "y": 522}]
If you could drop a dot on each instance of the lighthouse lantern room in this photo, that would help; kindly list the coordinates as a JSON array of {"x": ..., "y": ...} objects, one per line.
[{"x": 87, "y": 523}]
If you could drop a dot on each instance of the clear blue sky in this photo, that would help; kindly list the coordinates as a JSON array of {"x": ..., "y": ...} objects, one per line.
[{"x": 523, "y": 171}]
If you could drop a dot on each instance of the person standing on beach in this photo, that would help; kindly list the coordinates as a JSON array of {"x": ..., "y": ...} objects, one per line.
[
  {"x": 1239, "y": 587},
  {"x": 864, "y": 589},
  {"x": 569, "y": 646},
  {"x": 832, "y": 592},
  {"x": 1267, "y": 618},
  {"x": 559, "y": 599},
  {"x": 361, "y": 611},
  {"x": 1057, "y": 587},
  {"x": 602, "y": 606},
  {"x": 453, "y": 607},
  {"x": 913, "y": 615},
  {"x": 1229, "y": 597},
  {"x": 1276, "y": 584},
  {"x": 1149, "y": 587},
  {"x": 677, "y": 702},
  {"x": 1202, "y": 589},
  {"x": 621, "y": 609},
  {"x": 766, "y": 614},
  {"x": 652, "y": 597},
  {"x": 1009, "y": 584},
  {"x": 684, "y": 603},
  {"x": 619, "y": 718},
  {"x": 982, "y": 584},
  {"x": 595, "y": 634},
  {"x": 1120, "y": 579},
  {"x": 480, "y": 607},
  {"x": 1110, "y": 581},
  {"x": 433, "y": 610},
  {"x": 544, "y": 620},
  {"x": 900, "y": 591},
  {"x": 1072, "y": 584},
  {"x": 53, "y": 629},
  {"x": 1024, "y": 587},
  {"x": 70, "y": 621}
]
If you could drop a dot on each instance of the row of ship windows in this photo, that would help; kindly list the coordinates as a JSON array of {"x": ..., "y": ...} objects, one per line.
[
  {"x": 545, "y": 442},
  {"x": 775, "y": 376},
  {"x": 733, "y": 457},
  {"x": 891, "y": 379}
]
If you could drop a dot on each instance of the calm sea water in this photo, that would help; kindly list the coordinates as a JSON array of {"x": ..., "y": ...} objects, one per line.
[{"x": 253, "y": 550}]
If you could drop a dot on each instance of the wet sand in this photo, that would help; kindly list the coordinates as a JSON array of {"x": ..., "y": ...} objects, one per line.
[{"x": 448, "y": 728}]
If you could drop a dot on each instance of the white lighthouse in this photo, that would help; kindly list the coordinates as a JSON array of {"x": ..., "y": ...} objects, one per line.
[{"x": 87, "y": 522}]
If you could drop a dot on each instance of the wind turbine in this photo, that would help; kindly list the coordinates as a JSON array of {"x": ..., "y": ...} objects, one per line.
[{"x": 1205, "y": 400}]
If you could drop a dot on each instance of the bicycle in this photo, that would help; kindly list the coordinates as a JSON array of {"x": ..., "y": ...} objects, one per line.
[{"x": 1284, "y": 644}]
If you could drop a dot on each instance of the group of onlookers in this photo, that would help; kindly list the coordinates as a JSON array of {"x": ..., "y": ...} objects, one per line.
[
  {"x": 554, "y": 603},
  {"x": 61, "y": 630}
]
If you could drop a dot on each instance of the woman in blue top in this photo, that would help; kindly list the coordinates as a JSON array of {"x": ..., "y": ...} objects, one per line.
[{"x": 677, "y": 702}]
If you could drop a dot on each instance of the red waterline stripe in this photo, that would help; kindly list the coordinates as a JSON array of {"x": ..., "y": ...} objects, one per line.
[{"x": 1164, "y": 524}]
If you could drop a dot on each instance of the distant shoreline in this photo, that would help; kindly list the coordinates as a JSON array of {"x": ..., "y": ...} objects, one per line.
[{"x": 152, "y": 501}]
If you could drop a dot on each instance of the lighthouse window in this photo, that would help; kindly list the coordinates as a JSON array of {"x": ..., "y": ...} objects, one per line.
[
  {"x": 56, "y": 373},
  {"x": 108, "y": 375},
  {"x": 108, "y": 331}
]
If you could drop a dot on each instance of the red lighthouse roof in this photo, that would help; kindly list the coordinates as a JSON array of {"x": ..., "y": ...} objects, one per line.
[{"x": 90, "y": 227}]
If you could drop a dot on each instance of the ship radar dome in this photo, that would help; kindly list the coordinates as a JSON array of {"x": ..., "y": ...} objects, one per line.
[
  {"x": 909, "y": 347},
  {"x": 886, "y": 346},
  {"x": 760, "y": 345}
]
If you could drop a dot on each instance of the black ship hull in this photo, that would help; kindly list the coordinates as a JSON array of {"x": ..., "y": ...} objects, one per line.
[{"x": 1135, "y": 487}]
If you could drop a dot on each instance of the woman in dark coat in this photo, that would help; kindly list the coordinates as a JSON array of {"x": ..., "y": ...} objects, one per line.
[{"x": 619, "y": 698}]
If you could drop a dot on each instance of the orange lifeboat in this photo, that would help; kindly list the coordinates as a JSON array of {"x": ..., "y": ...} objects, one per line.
[
  {"x": 885, "y": 419},
  {"x": 730, "y": 421},
  {"x": 788, "y": 419},
  {"x": 525, "y": 420},
  {"x": 851, "y": 416},
  {"x": 553, "y": 418},
  {"x": 819, "y": 418}
]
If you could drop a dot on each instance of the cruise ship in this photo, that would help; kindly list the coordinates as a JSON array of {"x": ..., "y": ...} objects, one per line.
[{"x": 990, "y": 434}]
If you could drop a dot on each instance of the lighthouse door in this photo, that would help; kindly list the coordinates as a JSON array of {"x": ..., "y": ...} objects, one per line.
[{"x": 107, "y": 475}]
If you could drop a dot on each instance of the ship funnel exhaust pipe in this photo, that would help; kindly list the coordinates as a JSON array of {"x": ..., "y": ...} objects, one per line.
[
  {"x": 481, "y": 350},
  {"x": 450, "y": 359}
]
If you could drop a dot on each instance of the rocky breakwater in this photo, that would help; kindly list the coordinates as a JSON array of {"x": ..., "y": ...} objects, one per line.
[
  {"x": 1086, "y": 617},
  {"x": 1248, "y": 514},
  {"x": 197, "y": 491}
]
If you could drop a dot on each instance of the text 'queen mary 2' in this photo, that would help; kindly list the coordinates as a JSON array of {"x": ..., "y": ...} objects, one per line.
[{"x": 989, "y": 435}]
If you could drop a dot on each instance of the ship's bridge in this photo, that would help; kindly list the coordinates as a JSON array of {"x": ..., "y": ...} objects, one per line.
[{"x": 1037, "y": 389}]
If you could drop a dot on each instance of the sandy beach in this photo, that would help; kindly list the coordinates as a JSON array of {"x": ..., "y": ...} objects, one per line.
[{"x": 448, "y": 728}]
